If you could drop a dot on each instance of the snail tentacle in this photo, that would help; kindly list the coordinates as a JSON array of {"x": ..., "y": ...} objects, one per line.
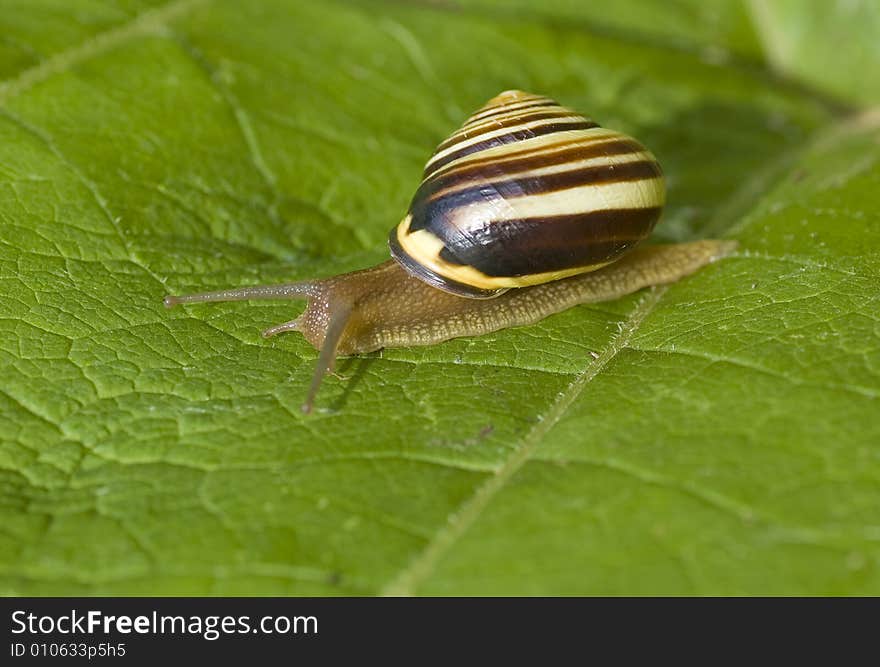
[
  {"x": 339, "y": 319},
  {"x": 298, "y": 290},
  {"x": 292, "y": 325}
]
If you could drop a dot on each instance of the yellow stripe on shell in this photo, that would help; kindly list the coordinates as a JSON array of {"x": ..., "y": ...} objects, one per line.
[
  {"x": 424, "y": 247},
  {"x": 465, "y": 143},
  {"x": 509, "y": 98},
  {"x": 600, "y": 161},
  {"x": 646, "y": 193},
  {"x": 480, "y": 124},
  {"x": 532, "y": 147}
]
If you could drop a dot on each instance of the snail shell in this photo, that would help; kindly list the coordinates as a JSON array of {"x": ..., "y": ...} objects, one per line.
[{"x": 525, "y": 192}]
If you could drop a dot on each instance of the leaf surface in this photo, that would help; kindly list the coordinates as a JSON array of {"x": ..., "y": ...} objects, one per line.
[{"x": 719, "y": 436}]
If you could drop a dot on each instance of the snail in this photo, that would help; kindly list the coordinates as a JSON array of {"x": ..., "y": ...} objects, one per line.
[{"x": 527, "y": 210}]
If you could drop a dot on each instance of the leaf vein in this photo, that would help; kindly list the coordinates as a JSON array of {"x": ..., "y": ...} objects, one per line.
[
  {"x": 89, "y": 184},
  {"x": 151, "y": 21},
  {"x": 242, "y": 122},
  {"x": 865, "y": 392},
  {"x": 408, "y": 580}
]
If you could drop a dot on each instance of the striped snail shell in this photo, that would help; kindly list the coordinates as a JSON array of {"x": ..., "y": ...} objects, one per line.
[{"x": 525, "y": 192}]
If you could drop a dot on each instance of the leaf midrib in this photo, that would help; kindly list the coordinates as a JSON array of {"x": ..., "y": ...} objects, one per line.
[{"x": 423, "y": 565}]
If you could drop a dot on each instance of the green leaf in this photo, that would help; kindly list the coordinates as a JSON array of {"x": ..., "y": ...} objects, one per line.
[{"x": 719, "y": 436}]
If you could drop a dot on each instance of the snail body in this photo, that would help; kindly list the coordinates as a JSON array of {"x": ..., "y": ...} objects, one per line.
[{"x": 527, "y": 210}]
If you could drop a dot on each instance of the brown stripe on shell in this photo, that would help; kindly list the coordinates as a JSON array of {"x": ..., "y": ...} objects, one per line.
[
  {"x": 516, "y": 135},
  {"x": 567, "y": 148},
  {"x": 473, "y": 131},
  {"x": 491, "y": 171},
  {"x": 493, "y": 111},
  {"x": 512, "y": 248},
  {"x": 510, "y": 99},
  {"x": 522, "y": 186}
]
